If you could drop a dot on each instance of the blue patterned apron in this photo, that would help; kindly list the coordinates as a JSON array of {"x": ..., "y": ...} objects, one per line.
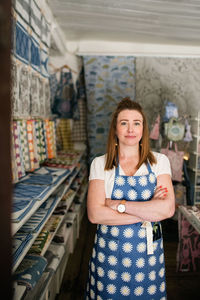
[{"x": 127, "y": 262}]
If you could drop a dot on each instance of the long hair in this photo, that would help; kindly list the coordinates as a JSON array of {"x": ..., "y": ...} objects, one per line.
[{"x": 144, "y": 147}]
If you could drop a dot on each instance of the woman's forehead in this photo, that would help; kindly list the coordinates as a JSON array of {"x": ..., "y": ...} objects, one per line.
[{"x": 130, "y": 114}]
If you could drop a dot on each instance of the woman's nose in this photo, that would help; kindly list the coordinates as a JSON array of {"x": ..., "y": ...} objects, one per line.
[{"x": 130, "y": 128}]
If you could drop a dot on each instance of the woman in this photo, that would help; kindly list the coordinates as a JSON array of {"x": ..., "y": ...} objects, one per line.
[{"x": 130, "y": 191}]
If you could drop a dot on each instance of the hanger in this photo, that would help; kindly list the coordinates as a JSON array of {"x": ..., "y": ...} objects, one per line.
[{"x": 61, "y": 68}]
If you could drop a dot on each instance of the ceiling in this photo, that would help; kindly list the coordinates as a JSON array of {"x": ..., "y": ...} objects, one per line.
[{"x": 173, "y": 22}]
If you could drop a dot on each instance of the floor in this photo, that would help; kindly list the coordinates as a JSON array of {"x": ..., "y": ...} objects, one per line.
[{"x": 180, "y": 286}]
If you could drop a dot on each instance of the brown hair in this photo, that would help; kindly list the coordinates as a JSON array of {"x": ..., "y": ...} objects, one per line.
[{"x": 112, "y": 150}]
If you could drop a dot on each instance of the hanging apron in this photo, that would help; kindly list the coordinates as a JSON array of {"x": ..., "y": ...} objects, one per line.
[{"x": 127, "y": 260}]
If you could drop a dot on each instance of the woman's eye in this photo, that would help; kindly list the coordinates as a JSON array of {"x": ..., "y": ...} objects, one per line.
[
  {"x": 123, "y": 123},
  {"x": 137, "y": 123}
]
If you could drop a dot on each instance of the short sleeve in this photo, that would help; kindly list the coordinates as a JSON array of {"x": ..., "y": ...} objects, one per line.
[
  {"x": 97, "y": 168},
  {"x": 163, "y": 165}
]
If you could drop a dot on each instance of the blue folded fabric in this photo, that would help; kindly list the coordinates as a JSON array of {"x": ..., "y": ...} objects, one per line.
[
  {"x": 20, "y": 208},
  {"x": 20, "y": 240},
  {"x": 29, "y": 191},
  {"x": 40, "y": 216},
  {"x": 30, "y": 270}
]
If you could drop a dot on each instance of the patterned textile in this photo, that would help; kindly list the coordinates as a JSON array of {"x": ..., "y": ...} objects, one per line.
[
  {"x": 79, "y": 133},
  {"x": 22, "y": 42},
  {"x": 42, "y": 96},
  {"x": 14, "y": 163},
  {"x": 47, "y": 98},
  {"x": 35, "y": 59},
  {"x": 30, "y": 270},
  {"x": 40, "y": 140},
  {"x": 48, "y": 137},
  {"x": 108, "y": 79},
  {"x": 188, "y": 253},
  {"x": 18, "y": 149},
  {"x": 65, "y": 101},
  {"x": 24, "y": 91},
  {"x": 24, "y": 144},
  {"x": 53, "y": 137},
  {"x": 63, "y": 131},
  {"x": 35, "y": 141},
  {"x": 44, "y": 62},
  {"x": 15, "y": 86},
  {"x": 34, "y": 94},
  {"x": 31, "y": 144},
  {"x": 53, "y": 82},
  {"x": 128, "y": 260}
]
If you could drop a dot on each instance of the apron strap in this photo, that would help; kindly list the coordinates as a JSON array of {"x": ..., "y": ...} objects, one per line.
[{"x": 149, "y": 230}]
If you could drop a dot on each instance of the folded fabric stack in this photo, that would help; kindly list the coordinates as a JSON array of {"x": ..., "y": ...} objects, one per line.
[
  {"x": 30, "y": 270},
  {"x": 38, "y": 219},
  {"x": 19, "y": 242}
]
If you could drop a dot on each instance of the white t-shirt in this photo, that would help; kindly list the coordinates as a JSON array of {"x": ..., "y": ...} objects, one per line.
[{"x": 97, "y": 170}]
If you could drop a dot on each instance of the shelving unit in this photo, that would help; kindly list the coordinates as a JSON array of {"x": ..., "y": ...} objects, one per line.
[
  {"x": 70, "y": 190},
  {"x": 194, "y": 161}
]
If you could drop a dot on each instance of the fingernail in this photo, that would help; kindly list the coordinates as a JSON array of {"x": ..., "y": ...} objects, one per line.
[
  {"x": 160, "y": 186},
  {"x": 165, "y": 195}
]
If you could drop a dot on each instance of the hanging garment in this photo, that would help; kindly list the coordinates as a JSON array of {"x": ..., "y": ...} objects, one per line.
[
  {"x": 154, "y": 134},
  {"x": 65, "y": 101},
  {"x": 188, "y": 134},
  {"x": 127, "y": 260}
]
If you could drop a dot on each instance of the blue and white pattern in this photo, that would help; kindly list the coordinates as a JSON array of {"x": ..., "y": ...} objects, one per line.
[{"x": 120, "y": 267}]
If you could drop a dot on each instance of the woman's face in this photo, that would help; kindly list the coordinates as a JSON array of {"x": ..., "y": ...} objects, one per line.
[{"x": 129, "y": 127}]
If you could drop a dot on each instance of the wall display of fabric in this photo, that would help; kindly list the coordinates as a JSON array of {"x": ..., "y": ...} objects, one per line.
[
  {"x": 188, "y": 254},
  {"x": 65, "y": 101},
  {"x": 64, "y": 134},
  {"x": 30, "y": 270},
  {"x": 108, "y": 79}
]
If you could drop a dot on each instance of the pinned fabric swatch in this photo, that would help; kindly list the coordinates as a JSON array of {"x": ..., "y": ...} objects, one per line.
[{"x": 39, "y": 130}]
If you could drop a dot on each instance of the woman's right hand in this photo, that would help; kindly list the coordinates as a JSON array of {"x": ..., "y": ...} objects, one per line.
[{"x": 160, "y": 192}]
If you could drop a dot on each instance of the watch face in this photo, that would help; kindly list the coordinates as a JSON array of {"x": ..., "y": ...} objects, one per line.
[{"x": 121, "y": 208}]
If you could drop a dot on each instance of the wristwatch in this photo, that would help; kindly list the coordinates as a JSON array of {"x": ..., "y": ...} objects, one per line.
[{"x": 121, "y": 208}]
